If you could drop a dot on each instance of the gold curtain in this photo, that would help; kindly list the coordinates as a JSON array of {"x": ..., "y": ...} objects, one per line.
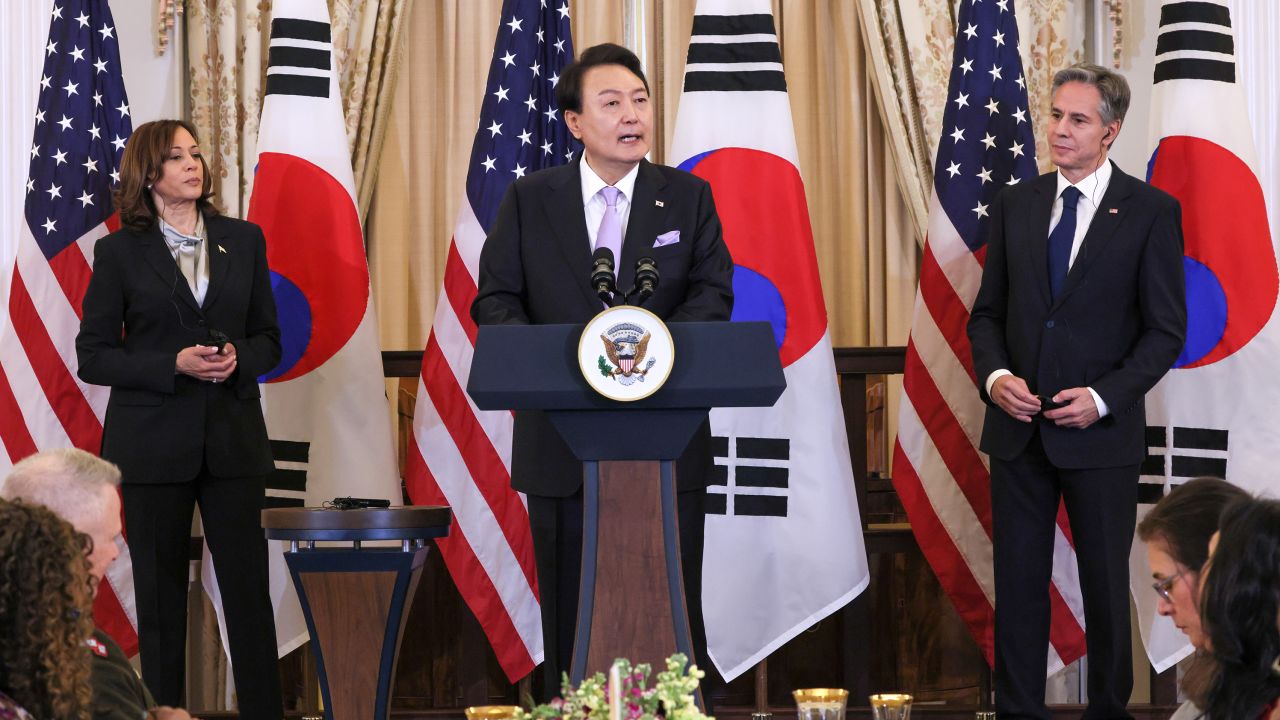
[
  {"x": 368, "y": 45},
  {"x": 227, "y": 42},
  {"x": 866, "y": 244},
  {"x": 226, "y": 53}
]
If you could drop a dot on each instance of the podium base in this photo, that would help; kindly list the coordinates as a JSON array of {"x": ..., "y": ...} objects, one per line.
[{"x": 631, "y": 597}]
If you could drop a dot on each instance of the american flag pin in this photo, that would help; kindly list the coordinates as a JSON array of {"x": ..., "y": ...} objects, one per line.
[
  {"x": 658, "y": 203},
  {"x": 224, "y": 250},
  {"x": 1114, "y": 211}
]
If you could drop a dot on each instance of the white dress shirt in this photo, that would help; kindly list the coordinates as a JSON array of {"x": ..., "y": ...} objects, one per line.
[
  {"x": 1092, "y": 188},
  {"x": 594, "y": 205}
]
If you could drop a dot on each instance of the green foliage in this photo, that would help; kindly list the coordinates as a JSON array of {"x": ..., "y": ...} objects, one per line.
[{"x": 672, "y": 697}]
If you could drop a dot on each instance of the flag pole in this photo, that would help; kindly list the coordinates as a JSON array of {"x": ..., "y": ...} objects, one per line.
[
  {"x": 633, "y": 33},
  {"x": 633, "y": 30}
]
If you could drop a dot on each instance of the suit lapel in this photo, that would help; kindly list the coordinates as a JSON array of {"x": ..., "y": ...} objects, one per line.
[
  {"x": 644, "y": 222},
  {"x": 1111, "y": 212},
  {"x": 568, "y": 221},
  {"x": 219, "y": 256},
  {"x": 160, "y": 258},
  {"x": 1041, "y": 211}
]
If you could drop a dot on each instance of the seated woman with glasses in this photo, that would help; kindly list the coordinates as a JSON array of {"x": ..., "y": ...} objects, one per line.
[
  {"x": 1177, "y": 532},
  {"x": 1239, "y": 603}
]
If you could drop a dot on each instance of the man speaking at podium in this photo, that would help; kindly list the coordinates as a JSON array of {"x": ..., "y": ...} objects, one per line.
[{"x": 536, "y": 268}]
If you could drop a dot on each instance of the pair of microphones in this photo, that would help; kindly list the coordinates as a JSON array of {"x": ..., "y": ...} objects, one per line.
[{"x": 604, "y": 282}]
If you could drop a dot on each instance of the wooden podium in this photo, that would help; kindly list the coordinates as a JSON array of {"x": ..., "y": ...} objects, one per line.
[
  {"x": 356, "y": 598},
  {"x": 631, "y": 596}
]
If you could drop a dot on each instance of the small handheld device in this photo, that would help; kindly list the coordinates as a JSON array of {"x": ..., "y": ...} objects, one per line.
[
  {"x": 216, "y": 338},
  {"x": 1047, "y": 403},
  {"x": 352, "y": 503}
]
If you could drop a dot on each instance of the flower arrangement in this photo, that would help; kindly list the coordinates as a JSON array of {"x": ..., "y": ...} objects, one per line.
[{"x": 625, "y": 695}]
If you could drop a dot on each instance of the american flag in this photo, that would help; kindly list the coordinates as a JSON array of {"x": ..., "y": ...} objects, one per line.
[
  {"x": 943, "y": 480},
  {"x": 458, "y": 455},
  {"x": 81, "y": 125}
]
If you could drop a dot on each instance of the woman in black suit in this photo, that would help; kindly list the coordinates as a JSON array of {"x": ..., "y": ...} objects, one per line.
[{"x": 179, "y": 321}]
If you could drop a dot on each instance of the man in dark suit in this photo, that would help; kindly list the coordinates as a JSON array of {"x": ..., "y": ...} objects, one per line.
[
  {"x": 1080, "y": 312},
  {"x": 535, "y": 269}
]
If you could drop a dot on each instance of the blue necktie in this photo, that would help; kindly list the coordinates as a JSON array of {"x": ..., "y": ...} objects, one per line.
[{"x": 1060, "y": 242}]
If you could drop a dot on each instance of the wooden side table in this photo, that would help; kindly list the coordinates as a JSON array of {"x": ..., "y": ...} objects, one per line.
[{"x": 356, "y": 598}]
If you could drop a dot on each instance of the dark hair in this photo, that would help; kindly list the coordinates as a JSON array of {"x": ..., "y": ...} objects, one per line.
[
  {"x": 46, "y": 602},
  {"x": 1239, "y": 606},
  {"x": 1187, "y": 517},
  {"x": 1111, "y": 85},
  {"x": 569, "y": 89},
  {"x": 1184, "y": 520},
  {"x": 143, "y": 164}
]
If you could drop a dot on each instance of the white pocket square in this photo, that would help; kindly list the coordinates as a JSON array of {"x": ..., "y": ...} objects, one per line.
[{"x": 667, "y": 238}]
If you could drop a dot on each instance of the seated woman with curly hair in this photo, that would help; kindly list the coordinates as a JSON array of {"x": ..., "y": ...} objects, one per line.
[
  {"x": 1240, "y": 600},
  {"x": 45, "y": 616}
]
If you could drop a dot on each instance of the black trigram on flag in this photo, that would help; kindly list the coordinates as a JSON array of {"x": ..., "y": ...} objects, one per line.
[
  {"x": 750, "y": 476},
  {"x": 1176, "y": 454},
  {"x": 1195, "y": 43},
  {"x": 299, "y": 60},
  {"x": 734, "y": 53},
  {"x": 287, "y": 483}
]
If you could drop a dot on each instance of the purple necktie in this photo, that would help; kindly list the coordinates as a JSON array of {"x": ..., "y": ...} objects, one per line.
[{"x": 610, "y": 233}]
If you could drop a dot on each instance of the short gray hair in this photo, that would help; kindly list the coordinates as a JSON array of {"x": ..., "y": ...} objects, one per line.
[
  {"x": 67, "y": 481},
  {"x": 1111, "y": 85}
]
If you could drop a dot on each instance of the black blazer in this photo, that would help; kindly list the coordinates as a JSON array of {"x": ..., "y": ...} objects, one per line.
[
  {"x": 1117, "y": 327},
  {"x": 138, "y": 313},
  {"x": 535, "y": 268}
]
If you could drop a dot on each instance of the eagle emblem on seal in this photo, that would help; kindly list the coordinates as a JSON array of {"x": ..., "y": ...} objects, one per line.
[{"x": 626, "y": 347}]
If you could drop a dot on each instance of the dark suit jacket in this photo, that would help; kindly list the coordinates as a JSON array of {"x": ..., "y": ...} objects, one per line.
[
  {"x": 535, "y": 269},
  {"x": 118, "y": 692},
  {"x": 1117, "y": 327},
  {"x": 138, "y": 313}
]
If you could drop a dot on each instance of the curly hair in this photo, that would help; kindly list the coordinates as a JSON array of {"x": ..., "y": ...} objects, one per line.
[
  {"x": 45, "y": 612},
  {"x": 142, "y": 165},
  {"x": 1239, "y": 606}
]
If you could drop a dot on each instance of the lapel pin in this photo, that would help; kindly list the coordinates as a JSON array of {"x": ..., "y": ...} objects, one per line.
[
  {"x": 1114, "y": 211},
  {"x": 658, "y": 203},
  {"x": 224, "y": 250}
]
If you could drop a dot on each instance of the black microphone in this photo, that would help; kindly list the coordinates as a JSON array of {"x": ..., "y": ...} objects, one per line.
[
  {"x": 646, "y": 279},
  {"x": 602, "y": 278}
]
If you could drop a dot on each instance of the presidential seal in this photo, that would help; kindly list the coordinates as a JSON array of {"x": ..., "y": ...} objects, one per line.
[{"x": 625, "y": 353}]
